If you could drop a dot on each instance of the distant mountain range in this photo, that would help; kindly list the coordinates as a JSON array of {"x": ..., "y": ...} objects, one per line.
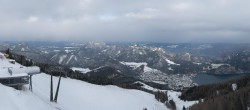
[{"x": 150, "y": 61}]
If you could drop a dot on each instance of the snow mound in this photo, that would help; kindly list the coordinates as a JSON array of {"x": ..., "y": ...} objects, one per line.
[
  {"x": 82, "y": 70},
  {"x": 215, "y": 66},
  {"x": 171, "y": 62},
  {"x": 136, "y": 65}
]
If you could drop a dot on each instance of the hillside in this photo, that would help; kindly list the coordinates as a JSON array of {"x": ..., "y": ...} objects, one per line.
[
  {"x": 75, "y": 95},
  {"x": 230, "y": 95}
]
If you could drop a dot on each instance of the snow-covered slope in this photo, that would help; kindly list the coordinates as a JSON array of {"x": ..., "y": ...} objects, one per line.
[
  {"x": 76, "y": 95},
  {"x": 172, "y": 95},
  {"x": 73, "y": 95},
  {"x": 12, "y": 99},
  {"x": 179, "y": 103}
]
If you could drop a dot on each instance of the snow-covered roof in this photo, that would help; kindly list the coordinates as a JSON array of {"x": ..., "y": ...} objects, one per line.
[
  {"x": 7, "y": 75},
  {"x": 8, "y": 69},
  {"x": 4, "y": 73},
  {"x": 29, "y": 70}
]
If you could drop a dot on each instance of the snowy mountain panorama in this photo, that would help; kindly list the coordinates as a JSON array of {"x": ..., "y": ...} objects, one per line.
[
  {"x": 125, "y": 55},
  {"x": 77, "y": 95},
  {"x": 129, "y": 76}
]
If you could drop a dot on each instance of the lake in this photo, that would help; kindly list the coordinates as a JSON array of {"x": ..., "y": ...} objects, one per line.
[{"x": 203, "y": 78}]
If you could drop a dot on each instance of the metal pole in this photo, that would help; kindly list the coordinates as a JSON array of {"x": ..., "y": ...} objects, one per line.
[
  {"x": 57, "y": 90},
  {"x": 51, "y": 88},
  {"x": 29, "y": 82},
  {"x": 30, "y": 87}
]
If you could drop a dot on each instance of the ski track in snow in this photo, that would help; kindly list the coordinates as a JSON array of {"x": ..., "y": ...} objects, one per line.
[
  {"x": 53, "y": 57},
  {"x": 62, "y": 59},
  {"x": 70, "y": 59},
  {"x": 171, "y": 62}
]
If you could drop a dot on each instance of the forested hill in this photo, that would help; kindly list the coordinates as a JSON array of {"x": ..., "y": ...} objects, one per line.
[{"x": 221, "y": 96}]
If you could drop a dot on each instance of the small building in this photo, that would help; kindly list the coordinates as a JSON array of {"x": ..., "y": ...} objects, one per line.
[
  {"x": 15, "y": 75},
  {"x": 21, "y": 69},
  {"x": 15, "y": 81},
  {"x": 18, "y": 76}
]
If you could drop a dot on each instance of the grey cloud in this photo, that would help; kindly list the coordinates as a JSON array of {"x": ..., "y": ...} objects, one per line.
[{"x": 126, "y": 20}]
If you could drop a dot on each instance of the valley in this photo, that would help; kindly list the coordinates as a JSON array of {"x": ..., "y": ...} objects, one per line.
[{"x": 173, "y": 65}]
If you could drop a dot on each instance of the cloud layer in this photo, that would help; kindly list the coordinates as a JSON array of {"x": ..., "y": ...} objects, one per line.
[{"x": 126, "y": 20}]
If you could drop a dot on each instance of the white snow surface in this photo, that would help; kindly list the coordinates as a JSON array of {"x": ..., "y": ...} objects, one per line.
[
  {"x": 160, "y": 82},
  {"x": 82, "y": 70},
  {"x": 172, "y": 95},
  {"x": 171, "y": 62},
  {"x": 87, "y": 96},
  {"x": 179, "y": 103},
  {"x": 136, "y": 65},
  {"x": 172, "y": 46},
  {"x": 76, "y": 95},
  {"x": 62, "y": 59},
  {"x": 12, "y": 99},
  {"x": 234, "y": 86},
  {"x": 54, "y": 56},
  {"x": 145, "y": 86},
  {"x": 2, "y": 56},
  {"x": 70, "y": 58},
  {"x": 8, "y": 69},
  {"x": 215, "y": 66},
  {"x": 22, "y": 49},
  {"x": 17, "y": 70},
  {"x": 5, "y": 65},
  {"x": 133, "y": 64}
]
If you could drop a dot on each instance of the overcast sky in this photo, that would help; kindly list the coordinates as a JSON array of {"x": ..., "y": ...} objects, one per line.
[{"x": 126, "y": 20}]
